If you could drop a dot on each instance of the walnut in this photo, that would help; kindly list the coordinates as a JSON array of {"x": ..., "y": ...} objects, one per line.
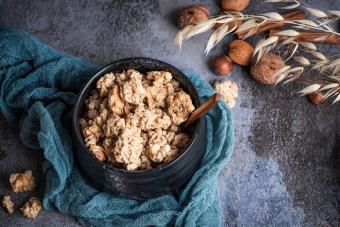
[
  {"x": 192, "y": 15},
  {"x": 240, "y": 52},
  {"x": 317, "y": 98},
  {"x": 234, "y": 5},
  {"x": 22, "y": 182},
  {"x": 179, "y": 107},
  {"x": 31, "y": 208},
  {"x": 264, "y": 70},
  {"x": 228, "y": 91},
  {"x": 8, "y": 204}
]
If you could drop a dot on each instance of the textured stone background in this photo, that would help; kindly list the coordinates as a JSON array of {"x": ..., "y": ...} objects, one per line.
[{"x": 285, "y": 166}]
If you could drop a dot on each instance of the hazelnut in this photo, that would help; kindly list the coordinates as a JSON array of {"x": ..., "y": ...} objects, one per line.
[
  {"x": 264, "y": 70},
  {"x": 240, "y": 52},
  {"x": 317, "y": 98},
  {"x": 192, "y": 15},
  {"x": 222, "y": 65},
  {"x": 234, "y": 5}
]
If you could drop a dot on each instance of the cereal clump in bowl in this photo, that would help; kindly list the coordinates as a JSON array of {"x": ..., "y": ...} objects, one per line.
[{"x": 132, "y": 120}]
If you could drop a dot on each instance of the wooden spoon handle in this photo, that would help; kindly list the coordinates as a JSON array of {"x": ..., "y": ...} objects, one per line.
[{"x": 203, "y": 109}]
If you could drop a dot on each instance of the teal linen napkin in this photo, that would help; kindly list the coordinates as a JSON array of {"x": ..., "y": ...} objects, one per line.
[{"x": 39, "y": 85}]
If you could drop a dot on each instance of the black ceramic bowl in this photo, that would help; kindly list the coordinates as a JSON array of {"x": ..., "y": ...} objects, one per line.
[{"x": 140, "y": 184}]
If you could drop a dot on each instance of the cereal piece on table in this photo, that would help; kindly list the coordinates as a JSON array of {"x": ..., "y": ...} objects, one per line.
[
  {"x": 179, "y": 107},
  {"x": 105, "y": 83},
  {"x": 31, "y": 208},
  {"x": 228, "y": 91},
  {"x": 8, "y": 204},
  {"x": 22, "y": 182},
  {"x": 129, "y": 147}
]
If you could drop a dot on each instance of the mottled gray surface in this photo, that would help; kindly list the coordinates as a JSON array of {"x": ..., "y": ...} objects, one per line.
[{"x": 285, "y": 166}]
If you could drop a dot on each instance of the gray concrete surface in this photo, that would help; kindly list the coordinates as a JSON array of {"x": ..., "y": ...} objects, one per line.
[{"x": 286, "y": 161}]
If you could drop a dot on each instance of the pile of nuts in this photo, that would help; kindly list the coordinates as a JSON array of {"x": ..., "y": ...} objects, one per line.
[
  {"x": 23, "y": 182},
  {"x": 133, "y": 120},
  {"x": 239, "y": 51}
]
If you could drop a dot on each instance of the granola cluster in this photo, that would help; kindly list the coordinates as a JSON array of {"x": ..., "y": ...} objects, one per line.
[
  {"x": 31, "y": 208},
  {"x": 22, "y": 182},
  {"x": 132, "y": 120},
  {"x": 8, "y": 204},
  {"x": 228, "y": 91}
]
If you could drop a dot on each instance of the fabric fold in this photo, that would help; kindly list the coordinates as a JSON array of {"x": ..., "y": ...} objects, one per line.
[{"x": 39, "y": 85}]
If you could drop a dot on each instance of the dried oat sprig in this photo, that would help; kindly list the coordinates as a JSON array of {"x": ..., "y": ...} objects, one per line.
[
  {"x": 327, "y": 71},
  {"x": 229, "y": 24},
  {"x": 250, "y": 23},
  {"x": 323, "y": 17}
]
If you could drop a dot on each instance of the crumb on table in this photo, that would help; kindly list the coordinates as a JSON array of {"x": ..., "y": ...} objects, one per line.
[
  {"x": 8, "y": 204},
  {"x": 31, "y": 208},
  {"x": 228, "y": 91},
  {"x": 22, "y": 182}
]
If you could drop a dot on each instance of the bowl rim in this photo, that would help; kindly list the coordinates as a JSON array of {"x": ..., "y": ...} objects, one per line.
[{"x": 88, "y": 85}]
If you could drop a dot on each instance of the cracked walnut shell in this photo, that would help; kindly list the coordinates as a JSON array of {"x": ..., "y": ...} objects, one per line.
[
  {"x": 264, "y": 70},
  {"x": 192, "y": 15}
]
